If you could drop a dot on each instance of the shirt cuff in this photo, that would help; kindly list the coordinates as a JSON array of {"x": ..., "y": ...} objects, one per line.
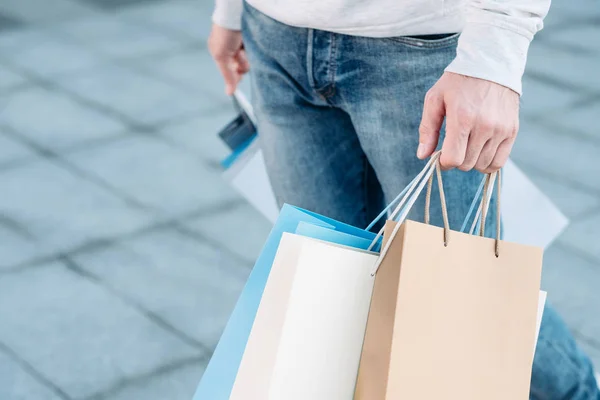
[
  {"x": 493, "y": 53},
  {"x": 228, "y": 14}
]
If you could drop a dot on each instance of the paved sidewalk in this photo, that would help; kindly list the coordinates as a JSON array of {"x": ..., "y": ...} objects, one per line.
[{"x": 121, "y": 251}]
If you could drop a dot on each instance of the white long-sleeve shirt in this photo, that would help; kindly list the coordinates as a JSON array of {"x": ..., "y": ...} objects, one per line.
[{"x": 495, "y": 33}]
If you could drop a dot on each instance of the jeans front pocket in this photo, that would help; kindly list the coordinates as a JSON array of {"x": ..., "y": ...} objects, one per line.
[{"x": 428, "y": 41}]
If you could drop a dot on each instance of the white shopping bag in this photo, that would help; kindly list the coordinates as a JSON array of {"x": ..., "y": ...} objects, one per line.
[
  {"x": 248, "y": 176},
  {"x": 307, "y": 337},
  {"x": 529, "y": 216}
]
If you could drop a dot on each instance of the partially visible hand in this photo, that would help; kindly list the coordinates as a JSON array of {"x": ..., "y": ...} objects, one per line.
[
  {"x": 482, "y": 121},
  {"x": 226, "y": 48}
]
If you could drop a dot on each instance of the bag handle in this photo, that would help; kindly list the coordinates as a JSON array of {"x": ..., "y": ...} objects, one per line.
[
  {"x": 426, "y": 176},
  {"x": 403, "y": 197},
  {"x": 442, "y": 202},
  {"x": 487, "y": 194},
  {"x": 487, "y": 185}
]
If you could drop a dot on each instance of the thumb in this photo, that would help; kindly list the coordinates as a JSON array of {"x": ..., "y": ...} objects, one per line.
[{"x": 431, "y": 123}]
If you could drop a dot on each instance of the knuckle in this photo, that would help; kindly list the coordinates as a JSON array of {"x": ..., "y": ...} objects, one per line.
[
  {"x": 465, "y": 117},
  {"x": 487, "y": 126}
]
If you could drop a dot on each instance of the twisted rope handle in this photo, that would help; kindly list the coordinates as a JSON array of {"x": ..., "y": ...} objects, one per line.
[
  {"x": 433, "y": 164},
  {"x": 487, "y": 192}
]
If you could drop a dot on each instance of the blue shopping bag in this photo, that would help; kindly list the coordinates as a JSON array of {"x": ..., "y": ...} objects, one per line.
[{"x": 220, "y": 374}]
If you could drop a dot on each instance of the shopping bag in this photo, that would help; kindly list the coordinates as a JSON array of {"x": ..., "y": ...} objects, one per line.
[
  {"x": 529, "y": 216},
  {"x": 245, "y": 171},
  {"x": 308, "y": 333},
  {"x": 219, "y": 376},
  {"x": 452, "y": 316}
]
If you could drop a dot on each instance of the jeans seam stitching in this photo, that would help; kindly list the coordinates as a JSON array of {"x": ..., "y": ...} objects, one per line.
[
  {"x": 365, "y": 189},
  {"x": 309, "y": 59},
  {"x": 332, "y": 62}
]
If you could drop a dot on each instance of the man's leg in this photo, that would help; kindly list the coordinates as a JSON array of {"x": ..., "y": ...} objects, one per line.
[
  {"x": 381, "y": 83},
  {"x": 311, "y": 149}
]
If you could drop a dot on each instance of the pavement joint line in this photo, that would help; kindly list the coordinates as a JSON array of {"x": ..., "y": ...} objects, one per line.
[
  {"x": 16, "y": 227},
  {"x": 195, "y": 235},
  {"x": 34, "y": 373},
  {"x": 74, "y": 267},
  {"x": 57, "y": 159},
  {"x": 102, "y": 243},
  {"x": 556, "y": 178},
  {"x": 162, "y": 370}
]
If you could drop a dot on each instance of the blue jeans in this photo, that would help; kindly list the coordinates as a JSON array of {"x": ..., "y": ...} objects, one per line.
[{"x": 338, "y": 120}]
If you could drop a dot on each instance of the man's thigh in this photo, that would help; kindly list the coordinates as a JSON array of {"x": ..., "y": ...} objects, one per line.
[{"x": 311, "y": 149}]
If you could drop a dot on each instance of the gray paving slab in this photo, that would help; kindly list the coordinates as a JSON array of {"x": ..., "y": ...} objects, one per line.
[
  {"x": 567, "y": 157},
  {"x": 8, "y": 22},
  {"x": 17, "y": 384},
  {"x": 541, "y": 100},
  {"x": 118, "y": 37},
  {"x": 53, "y": 55},
  {"x": 62, "y": 210},
  {"x": 54, "y": 120},
  {"x": 564, "y": 67},
  {"x": 573, "y": 202},
  {"x": 580, "y": 36},
  {"x": 16, "y": 248},
  {"x": 16, "y": 41},
  {"x": 138, "y": 96},
  {"x": 189, "y": 18},
  {"x": 578, "y": 9},
  {"x": 44, "y": 10},
  {"x": 191, "y": 285},
  {"x": 582, "y": 119},
  {"x": 10, "y": 78},
  {"x": 199, "y": 134},
  {"x": 584, "y": 235},
  {"x": 572, "y": 285},
  {"x": 179, "y": 384},
  {"x": 111, "y": 5},
  {"x": 12, "y": 150},
  {"x": 243, "y": 230},
  {"x": 78, "y": 335},
  {"x": 194, "y": 69},
  {"x": 157, "y": 174}
]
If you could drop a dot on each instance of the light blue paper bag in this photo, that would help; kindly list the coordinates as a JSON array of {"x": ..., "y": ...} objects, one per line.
[{"x": 220, "y": 374}]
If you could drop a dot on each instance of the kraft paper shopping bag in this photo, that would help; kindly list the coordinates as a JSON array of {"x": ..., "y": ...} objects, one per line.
[
  {"x": 219, "y": 376},
  {"x": 452, "y": 316}
]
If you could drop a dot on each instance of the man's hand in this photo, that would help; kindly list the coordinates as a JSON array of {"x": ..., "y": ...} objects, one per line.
[
  {"x": 226, "y": 48},
  {"x": 482, "y": 120}
]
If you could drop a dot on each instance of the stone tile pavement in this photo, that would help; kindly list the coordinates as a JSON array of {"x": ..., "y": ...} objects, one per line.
[{"x": 120, "y": 256}]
